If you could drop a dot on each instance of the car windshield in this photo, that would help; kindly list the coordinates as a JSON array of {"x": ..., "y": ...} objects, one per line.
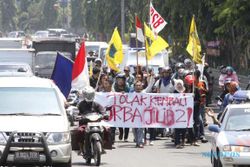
[
  {"x": 28, "y": 101},
  {"x": 94, "y": 48},
  {"x": 42, "y": 33},
  {"x": 238, "y": 120},
  {"x": 47, "y": 60},
  {"x": 13, "y": 68}
]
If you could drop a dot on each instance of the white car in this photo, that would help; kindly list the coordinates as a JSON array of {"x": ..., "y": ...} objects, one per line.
[
  {"x": 230, "y": 144},
  {"x": 11, "y": 69},
  {"x": 34, "y": 128}
]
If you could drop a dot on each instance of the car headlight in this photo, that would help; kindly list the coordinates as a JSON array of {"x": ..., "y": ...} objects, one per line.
[
  {"x": 236, "y": 148},
  {"x": 3, "y": 140},
  {"x": 58, "y": 138},
  {"x": 227, "y": 148}
]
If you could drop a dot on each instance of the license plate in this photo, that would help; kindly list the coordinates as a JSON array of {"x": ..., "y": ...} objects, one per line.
[
  {"x": 26, "y": 156},
  {"x": 93, "y": 124}
]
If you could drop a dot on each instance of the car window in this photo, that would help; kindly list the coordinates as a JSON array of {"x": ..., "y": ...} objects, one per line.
[
  {"x": 29, "y": 100},
  {"x": 223, "y": 115},
  {"x": 238, "y": 119},
  {"x": 47, "y": 59},
  {"x": 13, "y": 68}
]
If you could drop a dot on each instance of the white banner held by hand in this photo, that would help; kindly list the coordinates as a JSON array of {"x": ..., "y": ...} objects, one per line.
[{"x": 140, "y": 110}]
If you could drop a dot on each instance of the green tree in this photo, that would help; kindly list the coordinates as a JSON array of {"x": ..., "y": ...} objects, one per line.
[
  {"x": 233, "y": 27},
  {"x": 77, "y": 13},
  {"x": 50, "y": 14},
  {"x": 9, "y": 13}
]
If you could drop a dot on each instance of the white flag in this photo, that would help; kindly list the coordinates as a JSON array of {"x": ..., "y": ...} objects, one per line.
[
  {"x": 156, "y": 21},
  {"x": 139, "y": 32}
]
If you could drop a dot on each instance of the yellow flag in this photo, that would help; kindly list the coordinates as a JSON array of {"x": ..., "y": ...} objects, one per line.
[
  {"x": 147, "y": 50},
  {"x": 148, "y": 32},
  {"x": 91, "y": 68},
  {"x": 194, "y": 45},
  {"x": 114, "y": 54},
  {"x": 157, "y": 45}
]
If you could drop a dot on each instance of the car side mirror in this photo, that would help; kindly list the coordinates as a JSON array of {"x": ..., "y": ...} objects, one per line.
[{"x": 214, "y": 128}]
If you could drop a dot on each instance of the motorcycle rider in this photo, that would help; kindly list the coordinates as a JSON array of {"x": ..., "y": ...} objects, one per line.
[{"x": 86, "y": 106}]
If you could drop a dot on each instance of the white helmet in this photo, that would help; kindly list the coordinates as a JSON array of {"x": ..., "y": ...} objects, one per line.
[{"x": 88, "y": 93}]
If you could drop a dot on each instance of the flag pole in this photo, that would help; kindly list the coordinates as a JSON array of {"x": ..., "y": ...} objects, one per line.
[
  {"x": 203, "y": 64},
  {"x": 136, "y": 45},
  {"x": 149, "y": 23},
  {"x": 193, "y": 56}
]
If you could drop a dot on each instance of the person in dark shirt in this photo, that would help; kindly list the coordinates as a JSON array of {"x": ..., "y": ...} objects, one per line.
[
  {"x": 85, "y": 107},
  {"x": 94, "y": 78}
]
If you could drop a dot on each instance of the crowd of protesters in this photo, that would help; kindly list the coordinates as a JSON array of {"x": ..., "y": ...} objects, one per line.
[{"x": 182, "y": 77}]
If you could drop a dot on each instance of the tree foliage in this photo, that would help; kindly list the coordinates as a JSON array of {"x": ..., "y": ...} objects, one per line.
[{"x": 224, "y": 20}]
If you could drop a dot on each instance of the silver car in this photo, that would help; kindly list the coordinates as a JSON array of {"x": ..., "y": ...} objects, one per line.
[
  {"x": 231, "y": 138},
  {"x": 15, "y": 69},
  {"x": 34, "y": 128}
]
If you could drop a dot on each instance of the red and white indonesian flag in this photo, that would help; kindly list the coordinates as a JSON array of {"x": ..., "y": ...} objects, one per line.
[
  {"x": 139, "y": 32},
  {"x": 156, "y": 21},
  {"x": 80, "y": 74}
]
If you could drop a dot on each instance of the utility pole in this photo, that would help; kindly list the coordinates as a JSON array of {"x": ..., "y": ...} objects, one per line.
[{"x": 122, "y": 20}]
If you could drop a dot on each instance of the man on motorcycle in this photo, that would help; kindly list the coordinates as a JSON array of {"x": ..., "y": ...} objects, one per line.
[{"x": 88, "y": 105}]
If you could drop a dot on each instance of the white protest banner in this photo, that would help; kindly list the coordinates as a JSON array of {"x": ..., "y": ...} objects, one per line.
[
  {"x": 148, "y": 110},
  {"x": 156, "y": 21}
]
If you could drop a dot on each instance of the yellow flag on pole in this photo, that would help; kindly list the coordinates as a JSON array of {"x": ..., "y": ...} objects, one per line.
[
  {"x": 157, "y": 45},
  {"x": 90, "y": 68},
  {"x": 114, "y": 54},
  {"x": 194, "y": 45}
]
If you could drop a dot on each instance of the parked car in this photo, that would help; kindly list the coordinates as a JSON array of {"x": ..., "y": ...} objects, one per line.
[
  {"x": 41, "y": 34},
  {"x": 230, "y": 144},
  {"x": 56, "y": 32},
  {"x": 34, "y": 128},
  {"x": 16, "y": 34},
  {"x": 15, "y": 69}
]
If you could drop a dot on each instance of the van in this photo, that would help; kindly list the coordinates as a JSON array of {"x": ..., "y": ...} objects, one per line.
[
  {"x": 46, "y": 51},
  {"x": 34, "y": 128},
  {"x": 13, "y": 43},
  {"x": 98, "y": 47},
  {"x": 159, "y": 60}
]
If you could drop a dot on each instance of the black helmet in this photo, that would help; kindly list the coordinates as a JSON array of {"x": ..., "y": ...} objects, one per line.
[{"x": 179, "y": 65}]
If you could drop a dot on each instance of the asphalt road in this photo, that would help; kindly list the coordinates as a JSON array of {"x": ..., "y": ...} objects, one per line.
[{"x": 161, "y": 154}]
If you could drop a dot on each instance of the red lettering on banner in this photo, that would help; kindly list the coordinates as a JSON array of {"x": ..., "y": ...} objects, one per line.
[
  {"x": 113, "y": 114},
  {"x": 189, "y": 112},
  {"x": 179, "y": 119},
  {"x": 158, "y": 117},
  {"x": 136, "y": 114},
  {"x": 152, "y": 103},
  {"x": 169, "y": 117},
  {"x": 112, "y": 95},
  {"x": 137, "y": 100},
  {"x": 151, "y": 11},
  {"x": 167, "y": 101},
  {"x": 151, "y": 111},
  {"x": 127, "y": 113},
  {"x": 158, "y": 22},
  {"x": 143, "y": 100},
  {"x": 155, "y": 17},
  {"x": 123, "y": 99}
]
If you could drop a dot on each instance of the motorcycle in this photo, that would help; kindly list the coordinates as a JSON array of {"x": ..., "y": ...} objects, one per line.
[{"x": 94, "y": 137}]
